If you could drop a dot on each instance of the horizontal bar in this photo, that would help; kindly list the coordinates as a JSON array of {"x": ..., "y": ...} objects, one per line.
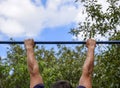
[{"x": 60, "y": 42}]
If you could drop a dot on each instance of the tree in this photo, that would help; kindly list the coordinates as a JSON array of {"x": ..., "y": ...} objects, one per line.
[
  {"x": 98, "y": 21},
  {"x": 106, "y": 71},
  {"x": 54, "y": 65},
  {"x": 66, "y": 63}
]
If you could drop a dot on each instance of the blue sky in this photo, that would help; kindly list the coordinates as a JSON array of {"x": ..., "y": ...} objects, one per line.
[
  {"x": 45, "y": 20},
  {"x": 22, "y": 19},
  {"x": 40, "y": 19}
]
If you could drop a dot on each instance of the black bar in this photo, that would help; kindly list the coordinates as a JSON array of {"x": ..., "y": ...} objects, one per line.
[{"x": 60, "y": 42}]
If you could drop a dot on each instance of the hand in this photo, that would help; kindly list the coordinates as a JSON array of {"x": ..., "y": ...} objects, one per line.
[
  {"x": 91, "y": 43},
  {"x": 29, "y": 43}
]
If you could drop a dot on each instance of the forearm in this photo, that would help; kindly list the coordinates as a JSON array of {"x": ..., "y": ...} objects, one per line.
[
  {"x": 33, "y": 67},
  {"x": 89, "y": 62},
  {"x": 31, "y": 61}
]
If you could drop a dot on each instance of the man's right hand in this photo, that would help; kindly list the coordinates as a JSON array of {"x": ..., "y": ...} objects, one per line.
[
  {"x": 29, "y": 43},
  {"x": 91, "y": 43}
]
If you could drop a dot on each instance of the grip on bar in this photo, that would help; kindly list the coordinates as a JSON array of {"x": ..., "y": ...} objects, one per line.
[{"x": 60, "y": 42}]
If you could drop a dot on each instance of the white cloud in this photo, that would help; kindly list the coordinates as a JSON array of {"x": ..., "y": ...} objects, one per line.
[
  {"x": 11, "y": 27},
  {"x": 104, "y": 4},
  {"x": 81, "y": 15},
  {"x": 25, "y": 18}
]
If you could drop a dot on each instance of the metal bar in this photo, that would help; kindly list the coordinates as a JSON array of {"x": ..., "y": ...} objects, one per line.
[{"x": 60, "y": 42}]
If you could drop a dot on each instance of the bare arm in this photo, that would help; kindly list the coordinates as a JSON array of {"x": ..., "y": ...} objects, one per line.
[
  {"x": 33, "y": 68},
  {"x": 86, "y": 78}
]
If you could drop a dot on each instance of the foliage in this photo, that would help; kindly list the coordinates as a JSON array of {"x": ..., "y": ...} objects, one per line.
[
  {"x": 97, "y": 20},
  {"x": 15, "y": 68},
  {"x": 63, "y": 64},
  {"x": 107, "y": 68},
  {"x": 108, "y": 63}
]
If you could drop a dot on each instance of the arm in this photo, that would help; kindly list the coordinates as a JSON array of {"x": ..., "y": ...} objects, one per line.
[
  {"x": 33, "y": 68},
  {"x": 86, "y": 78}
]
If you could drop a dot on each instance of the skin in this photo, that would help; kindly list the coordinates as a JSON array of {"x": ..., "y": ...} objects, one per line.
[
  {"x": 33, "y": 68},
  {"x": 86, "y": 77}
]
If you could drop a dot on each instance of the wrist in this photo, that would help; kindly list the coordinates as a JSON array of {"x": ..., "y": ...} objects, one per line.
[
  {"x": 91, "y": 47},
  {"x": 29, "y": 47}
]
